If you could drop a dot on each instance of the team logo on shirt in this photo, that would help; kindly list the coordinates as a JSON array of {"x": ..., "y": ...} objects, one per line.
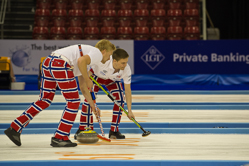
[
  {"x": 118, "y": 76},
  {"x": 152, "y": 57},
  {"x": 101, "y": 72}
]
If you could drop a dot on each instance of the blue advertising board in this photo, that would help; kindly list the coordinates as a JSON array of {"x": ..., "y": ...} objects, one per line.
[{"x": 191, "y": 57}]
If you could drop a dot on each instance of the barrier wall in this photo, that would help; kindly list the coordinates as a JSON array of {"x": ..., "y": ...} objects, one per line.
[
  {"x": 26, "y": 54},
  {"x": 192, "y": 57},
  {"x": 155, "y": 64}
]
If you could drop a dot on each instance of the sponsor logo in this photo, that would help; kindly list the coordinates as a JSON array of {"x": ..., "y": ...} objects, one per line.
[
  {"x": 152, "y": 57},
  {"x": 21, "y": 56}
]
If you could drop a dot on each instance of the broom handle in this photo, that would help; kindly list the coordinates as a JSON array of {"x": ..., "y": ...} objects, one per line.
[
  {"x": 98, "y": 117},
  {"x": 111, "y": 97}
]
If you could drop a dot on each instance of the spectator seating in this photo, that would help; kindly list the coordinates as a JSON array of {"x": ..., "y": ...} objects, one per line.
[
  {"x": 75, "y": 17},
  {"x": 74, "y": 33},
  {"x": 141, "y": 33},
  {"x": 124, "y": 33},
  {"x": 40, "y": 33},
  {"x": 118, "y": 19},
  {"x": 42, "y": 17},
  {"x": 91, "y": 33},
  {"x": 58, "y": 33}
]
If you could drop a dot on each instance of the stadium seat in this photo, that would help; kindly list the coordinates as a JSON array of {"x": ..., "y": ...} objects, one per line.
[
  {"x": 158, "y": 17},
  {"x": 42, "y": 17},
  {"x": 74, "y": 33},
  {"x": 174, "y": 17},
  {"x": 125, "y": 4},
  {"x": 124, "y": 33},
  {"x": 158, "y": 33},
  {"x": 92, "y": 17},
  {"x": 108, "y": 18},
  {"x": 191, "y": 33},
  {"x": 124, "y": 18},
  {"x": 191, "y": 17},
  {"x": 91, "y": 33},
  {"x": 59, "y": 17},
  {"x": 141, "y": 33},
  {"x": 58, "y": 33},
  {"x": 109, "y": 4},
  {"x": 43, "y": 4},
  {"x": 108, "y": 33},
  {"x": 76, "y": 4},
  {"x": 191, "y": 4},
  {"x": 40, "y": 33},
  {"x": 60, "y": 4},
  {"x": 141, "y": 17},
  {"x": 142, "y": 4},
  {"x": 175, "y": 4},
  {"x": 93, "y": 4},
  {"x": 75, "y": 17},
  {"x": 158, "y": 4},
  {"x": 174, "y": 33}
]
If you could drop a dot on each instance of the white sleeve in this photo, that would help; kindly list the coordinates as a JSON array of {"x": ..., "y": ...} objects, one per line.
[
  {"x": 95, "y": 56},
  {"x": 127, "y": 75}
]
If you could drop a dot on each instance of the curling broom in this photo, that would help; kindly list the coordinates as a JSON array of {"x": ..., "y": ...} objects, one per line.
[
  {"x": 102, "y": 137},
  {"x": 146, "y": 133}
]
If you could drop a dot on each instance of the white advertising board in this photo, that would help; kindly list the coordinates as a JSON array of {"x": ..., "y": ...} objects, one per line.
[{"x": 26, "y": 54}]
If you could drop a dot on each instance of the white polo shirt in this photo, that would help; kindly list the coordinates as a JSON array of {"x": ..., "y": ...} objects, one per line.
[
  {"x": 72, "y": 53},
  {"x": 106, "y": 71}
]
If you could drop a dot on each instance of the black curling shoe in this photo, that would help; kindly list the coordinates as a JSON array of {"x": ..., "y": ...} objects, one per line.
[
  {"x": 13, "y": 135},
  {"x": 116, "y": 135}
]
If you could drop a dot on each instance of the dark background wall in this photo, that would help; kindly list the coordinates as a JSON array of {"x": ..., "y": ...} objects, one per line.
[{"x": 231, "y": 17}]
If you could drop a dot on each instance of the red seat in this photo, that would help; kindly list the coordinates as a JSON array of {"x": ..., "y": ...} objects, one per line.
[
  {"x": 158, "y": 17},
  {"x": 174, "y": 33},
  {"x": 124, "y": 18},
  {"x": 142, "y": 4},
  {"x": 59, "y": 17},
  {"x": 108, "y": 32},
  {"x": 125, "y": 4},
  {"x": 40, "y": 33},
  {"x": 141, "y": 17},
  {"x": 191, "y": 17},
  {"x": 60, "y": 4},
  {"x": 158, "y": 33},
  {"x": 108, "y": 18},
  {"x": 76, "y": 4},
  {"x": 58, "y": 33},
  {"x": 75, "y": 17},
  {"x": 124, "y": 33},
  {"x": 93, "y": 4},
  {"x": 158, "y": 4},
  {"x": 109, "y": 4},
  {"x": 174, "y": 17},
  {"x": 43, "y": 4},
  {"x": 92, "y": 17},
  {"x": 74, "y": 33},
  {"x": 191, "y": 5},
  {"x": 192, "y": 33},
  {"x": 91, "y": 33},
  {"x": 42, "y": 17},
  {"x": 175, "y": 4},
  {"x": 141, "y": 33}
]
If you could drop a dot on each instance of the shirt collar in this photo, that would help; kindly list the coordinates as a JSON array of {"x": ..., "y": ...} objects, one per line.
[{"x": 111, "y": 64}]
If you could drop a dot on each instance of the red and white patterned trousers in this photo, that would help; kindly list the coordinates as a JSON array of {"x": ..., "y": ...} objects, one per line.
[
  {"x": 116, "y": 89},
  {"x": 55, "y": 72}
]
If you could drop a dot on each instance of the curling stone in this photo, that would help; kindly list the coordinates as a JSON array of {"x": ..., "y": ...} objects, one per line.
[{"x": 87, "y": 136}]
